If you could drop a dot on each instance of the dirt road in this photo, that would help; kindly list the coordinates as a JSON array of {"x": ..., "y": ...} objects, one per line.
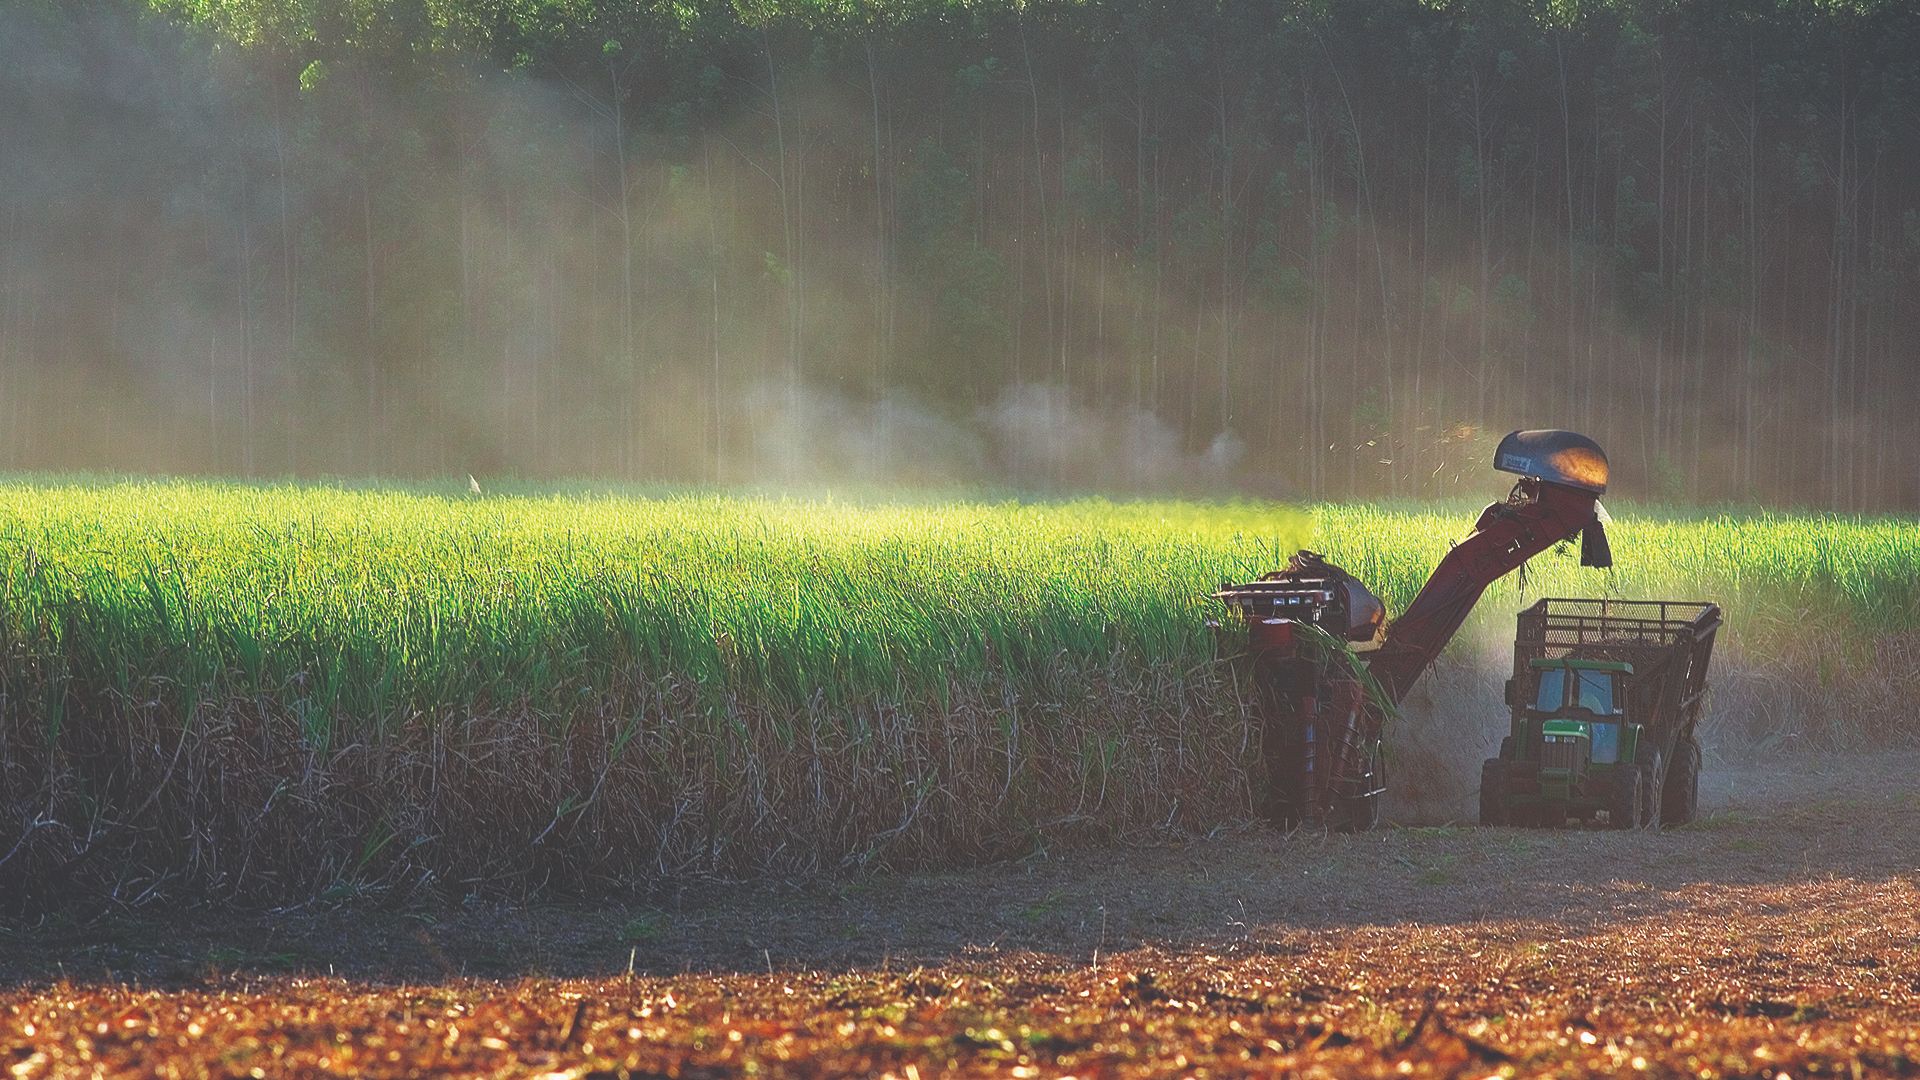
[{"x": 1780, "y": 933}]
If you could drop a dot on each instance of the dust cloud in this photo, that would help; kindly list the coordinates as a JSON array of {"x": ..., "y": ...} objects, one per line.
[{"x": 810, "y": 254}]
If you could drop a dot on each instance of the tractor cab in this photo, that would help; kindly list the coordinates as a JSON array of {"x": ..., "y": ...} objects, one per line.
[
  {"x": 1582, "y": 703},
  {"x": 1604, "y": 699},
  {"x": 1573, "y": 733}
]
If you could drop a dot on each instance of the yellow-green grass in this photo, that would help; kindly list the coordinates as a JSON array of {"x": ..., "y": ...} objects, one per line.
[
  {"x": 1822, "y": 615},
  {"x": 375, "y": 604},
  {"x": 1773, "y": 572}
]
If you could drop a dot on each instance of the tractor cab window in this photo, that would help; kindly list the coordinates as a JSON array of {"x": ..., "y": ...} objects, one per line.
[
  {"x": 1553, "y": 690},
  {"x": 1577, "y": 688},
  {"x": 1593, "y": 691}
]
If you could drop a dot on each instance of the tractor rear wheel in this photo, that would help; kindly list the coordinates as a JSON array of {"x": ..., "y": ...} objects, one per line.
[
  {"x": 1652, "y": 773},
  {"x": 1627, "y": 798},
  {"x": 1680, "y": 798},
  {"x": 1493, "y": 792}
]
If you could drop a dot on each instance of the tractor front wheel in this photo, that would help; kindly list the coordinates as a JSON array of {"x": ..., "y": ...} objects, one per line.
[
  {"x": 1680, "y": 799},
  {"x": 1493, "y": 792},
  {"x": 1628, "y": 798}
]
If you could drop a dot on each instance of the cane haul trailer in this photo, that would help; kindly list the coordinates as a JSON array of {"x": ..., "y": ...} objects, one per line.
[{"x": 1604, "y": 700}]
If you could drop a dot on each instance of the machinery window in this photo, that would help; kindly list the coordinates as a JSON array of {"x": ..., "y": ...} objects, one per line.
[
  {"x": 1605, "y": 745},
  {"x": 1553, "y": 690},
  {"x": 1594, "y": 692}
]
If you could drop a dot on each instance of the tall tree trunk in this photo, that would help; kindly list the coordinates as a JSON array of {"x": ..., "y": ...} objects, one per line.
[
  {"x": 882, "y": 258},
  {"x": 375, "y": 429},
  {"x": 289, "y": 305}
]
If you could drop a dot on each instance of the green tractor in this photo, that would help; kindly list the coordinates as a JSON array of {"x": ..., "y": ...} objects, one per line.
[{"x": 1605, "y": 698}]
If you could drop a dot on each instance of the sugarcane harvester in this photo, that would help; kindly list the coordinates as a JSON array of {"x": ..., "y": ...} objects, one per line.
[{"x": 1326, "y": 667}]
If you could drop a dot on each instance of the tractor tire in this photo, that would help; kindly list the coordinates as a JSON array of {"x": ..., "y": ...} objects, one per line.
[
  {"x": 1281, "y": 798},
  {"x": 1493, "y": 793},
  {"x": 1281, "y": 804},
  {"x": 1680, "y": 797},
  {"x": 1362, "y": 814},
  {"x": 1653, "y": 773},
  {"x": 1628, "y": 798}
]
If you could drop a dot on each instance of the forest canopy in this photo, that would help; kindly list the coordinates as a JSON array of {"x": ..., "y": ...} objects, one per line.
[{"x": 1322, "y": 248}]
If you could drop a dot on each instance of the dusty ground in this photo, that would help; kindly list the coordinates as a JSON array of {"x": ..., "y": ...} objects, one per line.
[{"x": 1779, "y": 934}]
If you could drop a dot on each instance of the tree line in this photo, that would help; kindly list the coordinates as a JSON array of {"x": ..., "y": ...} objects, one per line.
[{"x": 1325, "y": 247}]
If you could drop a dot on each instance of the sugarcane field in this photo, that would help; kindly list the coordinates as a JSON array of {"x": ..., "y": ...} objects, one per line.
[{"x": 996, "y": 539}]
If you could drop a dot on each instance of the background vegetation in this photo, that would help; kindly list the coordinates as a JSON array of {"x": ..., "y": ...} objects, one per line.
[
  {"x": 285, "y": 692},
  {"x": 1314, "y": 247}
]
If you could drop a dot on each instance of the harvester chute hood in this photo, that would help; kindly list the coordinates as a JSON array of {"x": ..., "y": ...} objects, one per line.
[{"x": 1558, "y": 457}]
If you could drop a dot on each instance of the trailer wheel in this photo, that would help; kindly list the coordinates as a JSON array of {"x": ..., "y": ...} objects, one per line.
[
  {"x": 1626, "y": 801},
  {"x": 1493, "y": 792},
  {"x": 1680, "y": 799}
]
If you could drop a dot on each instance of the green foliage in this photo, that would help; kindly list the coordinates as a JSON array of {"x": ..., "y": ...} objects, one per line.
[
  {"x": 371, "y": 689},
  {"x": 1516, "y": 298},
  {"x": 303, "y": 692},
  {"x": 1777, "y": 575},
  {"x": 939, "y": 236},
  {"x": 381, "y": 605}
]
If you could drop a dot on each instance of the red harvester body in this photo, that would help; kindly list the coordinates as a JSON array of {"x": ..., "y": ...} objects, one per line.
[{"x": 1320, "y": 719}]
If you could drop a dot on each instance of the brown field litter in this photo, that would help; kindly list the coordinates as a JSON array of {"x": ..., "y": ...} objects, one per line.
[{"x": 1779, "y": 935}]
